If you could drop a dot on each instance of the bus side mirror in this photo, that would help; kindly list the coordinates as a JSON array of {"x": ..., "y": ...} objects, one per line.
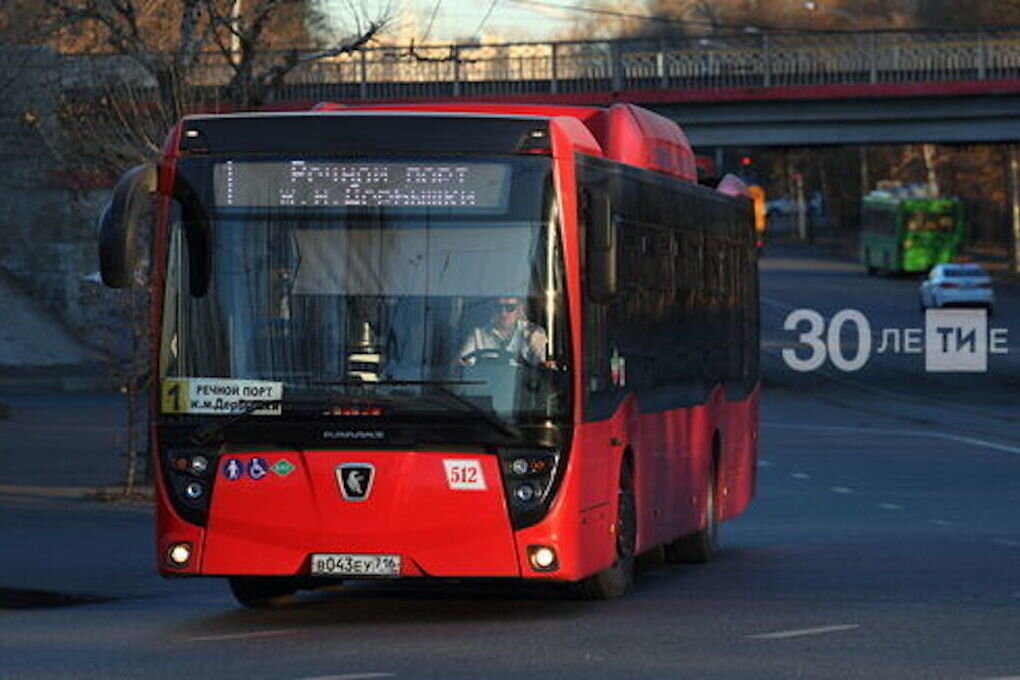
[
  {"x": 120, "y": 223},
  {"x": 601, "y": 255}
]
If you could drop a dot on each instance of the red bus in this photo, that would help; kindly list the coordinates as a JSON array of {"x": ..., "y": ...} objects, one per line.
[{"x": 457, "y": 340}]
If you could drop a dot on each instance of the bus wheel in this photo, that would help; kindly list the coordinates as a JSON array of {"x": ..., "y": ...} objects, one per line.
[
  {"x": 618, "y": 579},
  {"x": 702, "y": 545},
  {"x": 261, "y": 591}
]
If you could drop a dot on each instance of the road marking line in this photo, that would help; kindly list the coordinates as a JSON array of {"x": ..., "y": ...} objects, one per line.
[
  {"x": 1005, "y": 542},
  {"x": 943, "y": 523},
  {"x": 801, "y": 475},
  {"x": 888, "y": 506},
  {"x": 841, "y": 379},
  {"x": 242, "y": 636},
  {"x": 764, "y": 463},
  {"x": 841, "y": 490},
  {"x": 804, "y": 632},
  {"x": 351, "y": 676},
  {"x": 1015, "y": 450}
]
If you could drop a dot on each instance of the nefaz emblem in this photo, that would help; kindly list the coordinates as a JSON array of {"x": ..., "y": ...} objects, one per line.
[
  {"x": 355, "y": 480},
  {"x": 370, "y": 435}
]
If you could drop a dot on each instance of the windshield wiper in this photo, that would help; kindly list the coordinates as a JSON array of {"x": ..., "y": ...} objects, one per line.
[
  {"x": 203, "y": 434},
  {"x": 491, "y": 418},
  {"x": 442, "y": 386},
  {"x": 316, "y": 403}
]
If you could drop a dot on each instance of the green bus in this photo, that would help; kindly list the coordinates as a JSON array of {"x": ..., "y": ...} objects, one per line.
[{"x": 909, "y": 234}]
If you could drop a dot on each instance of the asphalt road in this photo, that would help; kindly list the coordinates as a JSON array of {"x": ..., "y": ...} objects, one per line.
[{"x": 884, "y": 542}]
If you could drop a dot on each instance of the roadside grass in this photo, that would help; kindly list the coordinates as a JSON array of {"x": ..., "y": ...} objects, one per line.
[
  {"x": 119, "y": 494},
  {"x": 11, "y": 598}
]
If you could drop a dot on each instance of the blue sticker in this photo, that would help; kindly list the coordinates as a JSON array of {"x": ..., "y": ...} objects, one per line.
[
  {"x": 233, "y": 469},
  {"x": 257, "y": 468}
]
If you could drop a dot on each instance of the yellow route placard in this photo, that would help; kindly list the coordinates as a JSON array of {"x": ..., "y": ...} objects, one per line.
[
  {"x": 220, "y": 396},
  {"x": 175, "y": 395}
]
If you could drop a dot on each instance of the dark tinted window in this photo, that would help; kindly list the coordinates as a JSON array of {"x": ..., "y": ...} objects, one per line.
[
  {"x": 962, "y": 272},
  {"x": 686, "y": 314}
]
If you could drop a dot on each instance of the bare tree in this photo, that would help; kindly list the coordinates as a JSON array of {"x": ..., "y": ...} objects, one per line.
[
  {"x": 237, "y": 37},
  {"x": 184, "y": 55},
  {"x": 140, "y": 65},
  {"x": 21, "y": 25},
  {"x": 684, "y": 18},
  {"x": 964, "y": 13},
  {"x": 151, "y": 62}
]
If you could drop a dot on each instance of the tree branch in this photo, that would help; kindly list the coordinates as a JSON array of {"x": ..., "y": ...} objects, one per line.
[
  {"x": 274, "y": 76},
  {"x": 453, "y": 56},
  {"x": 127, "y": 42},
  {"x": 191, "y": 13}
]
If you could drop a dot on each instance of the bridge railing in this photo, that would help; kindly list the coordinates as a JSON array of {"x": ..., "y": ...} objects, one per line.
[{"x": 762, "y": 60}]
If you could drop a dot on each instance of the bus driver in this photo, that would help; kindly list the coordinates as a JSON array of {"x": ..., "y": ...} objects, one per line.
[{"x": 508, "y": 332}]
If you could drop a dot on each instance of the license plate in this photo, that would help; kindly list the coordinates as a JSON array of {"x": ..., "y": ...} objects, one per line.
[{"x": 347, "y": 564}]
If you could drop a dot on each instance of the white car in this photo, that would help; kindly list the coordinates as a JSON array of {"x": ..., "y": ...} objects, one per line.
[{"x": 964, "y": 285}]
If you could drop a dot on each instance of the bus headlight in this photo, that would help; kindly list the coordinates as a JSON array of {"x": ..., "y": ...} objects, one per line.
[
  {"x": 179, "y": 554},
  {"x": 190, "y": 474},
  {"x": 524, "y": 493},
  {"x": 542, "y": 558},
  {"x": 528, "y": 477},
  {"x": 194, "y": 491}
]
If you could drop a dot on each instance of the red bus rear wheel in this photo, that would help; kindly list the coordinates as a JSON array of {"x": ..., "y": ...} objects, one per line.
[{"x": 702, "y": 545}]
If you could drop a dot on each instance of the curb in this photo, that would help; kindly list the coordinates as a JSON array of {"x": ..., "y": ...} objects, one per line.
[
  {"x": 64, "y": 378},
  {"x": 143, "y": 495}
]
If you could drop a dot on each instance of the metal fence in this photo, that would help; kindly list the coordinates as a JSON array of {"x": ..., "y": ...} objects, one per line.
[{"x": 761, "y": 60}]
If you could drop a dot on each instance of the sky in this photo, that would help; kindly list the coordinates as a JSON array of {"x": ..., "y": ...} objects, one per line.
[
  {"x": 509, "y": 19},
  {"x": 515, "y": 20}
]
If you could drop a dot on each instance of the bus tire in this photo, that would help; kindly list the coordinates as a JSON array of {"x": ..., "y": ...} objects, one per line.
[
  {"x": 618, "y": 579},
  {"x": 261, "y": 591},
  {"x": 702, "y": 545}
]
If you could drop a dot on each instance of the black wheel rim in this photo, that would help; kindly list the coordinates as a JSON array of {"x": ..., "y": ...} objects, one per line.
[
  {"x": 626, "y": 528},
  {"x": 711, "y": 526}
]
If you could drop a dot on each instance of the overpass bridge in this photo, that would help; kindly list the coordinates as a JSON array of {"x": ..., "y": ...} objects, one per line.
[{"x": 761, "y": 89}]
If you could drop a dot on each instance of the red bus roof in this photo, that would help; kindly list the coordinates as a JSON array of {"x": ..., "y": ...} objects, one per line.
[{"x": 625, "y": 132}]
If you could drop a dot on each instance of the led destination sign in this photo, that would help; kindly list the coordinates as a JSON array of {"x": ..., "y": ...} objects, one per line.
[{"x": 325, "y": 184}]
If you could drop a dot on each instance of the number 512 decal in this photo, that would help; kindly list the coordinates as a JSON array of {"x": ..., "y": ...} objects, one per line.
[{"x": 464, "y": 474}]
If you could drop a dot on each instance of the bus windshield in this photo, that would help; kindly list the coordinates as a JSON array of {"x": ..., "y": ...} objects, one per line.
[
  {"x": 372, "y": 277},
  {"x": 928, "y": 221}
]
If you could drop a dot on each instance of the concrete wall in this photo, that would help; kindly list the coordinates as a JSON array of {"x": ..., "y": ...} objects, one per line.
[{"x": 47, "y": 227}]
